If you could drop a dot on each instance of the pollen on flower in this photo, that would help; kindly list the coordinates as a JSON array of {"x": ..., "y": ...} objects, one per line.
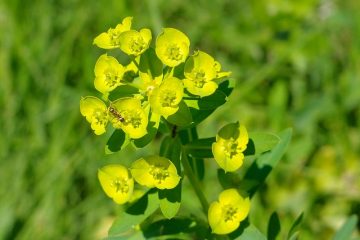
[
  {"x": 199, "y": 78},
  {"x": 137, "y": 44},
  {"x": 229, "y": 212},
  {"x": 174, "y": 52},
  {"x": 231, "y": 147},
  {"x": 99, "y": 117},
  {"x": 168, "y": 98},
  {"x": 159, "y": 173},
  {"x": 120, "y": 185},
  {"x": 111, "y": 77},
  {"x": 114, "y": 36}
]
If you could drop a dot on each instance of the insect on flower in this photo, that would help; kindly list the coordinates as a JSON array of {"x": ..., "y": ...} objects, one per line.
[{"x": 117, "y": 115}]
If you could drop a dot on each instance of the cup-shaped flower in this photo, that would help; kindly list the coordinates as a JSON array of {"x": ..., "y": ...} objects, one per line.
[
  {"x": 172, "y": 47},
  {"x": 127, "y": 114},
  {"x": 108, "y": 74},
  {"x": 200, "y": 71},
  {"x": 226, "y": 214},
  {"x": 155, "y": 171},
  {"x": 165, "y": 99},
  {"x": 135, "y": 43},
  {"x": 95, "y": 112},
  {"x": 111, "y": 38},
  {"x": 231, "y": 142},
  {"x": 116, "y": 182}
]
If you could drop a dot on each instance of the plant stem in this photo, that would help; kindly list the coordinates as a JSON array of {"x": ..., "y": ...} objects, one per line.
[{"x": 194, "y": 181}]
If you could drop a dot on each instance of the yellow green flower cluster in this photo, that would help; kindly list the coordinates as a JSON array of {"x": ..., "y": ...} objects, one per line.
[
  {"x": 117, "y": 181},
  {"x": 159, "y": 89}
]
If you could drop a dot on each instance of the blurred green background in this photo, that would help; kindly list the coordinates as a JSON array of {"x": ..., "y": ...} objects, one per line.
[{"x": 297, "y": 64}]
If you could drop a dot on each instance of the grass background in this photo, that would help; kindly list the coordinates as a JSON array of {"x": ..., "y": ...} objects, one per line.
[{"x": 297, "y": 64}]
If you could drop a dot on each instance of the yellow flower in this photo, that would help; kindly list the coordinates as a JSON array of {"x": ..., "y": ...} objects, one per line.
[
  {"x": 200, "y": 71},
  {"x": 172, "y": 47},
  {"x": 230, "y": 144},
  {"x": 95, "y": 112},
  {"x": 135, "y": 43},
  {"x": 127, "y": 114},
  {"x": 226, "y": 214},
  {"x": 111, "y": 38},
  {"x": 108, "y": 74},
  {"x": 220, "y": 74},
  {"x": 116, "y": 182},
  {"x": 155, "y": 171},
  {"x": 164, "y": 100}
]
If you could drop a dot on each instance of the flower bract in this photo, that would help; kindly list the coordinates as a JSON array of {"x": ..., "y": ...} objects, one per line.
[
  {"x": 231, "y": 142},
  {"x": 164, "y": 100},
  {"x": 127, "y": 114},
  {"x": 116, "y": 182},
  {"x": 95, "y": 112},
  {"x": 108, "y": 74},
  {"x": 135, "y": 43},
  {"x": 226, "y": 214},
  {"x": 172, "y": 47},
  {"x": 155, "y": 171},
  {"x": 200, "y": 71},
  {"x": 111, "y": 38}
]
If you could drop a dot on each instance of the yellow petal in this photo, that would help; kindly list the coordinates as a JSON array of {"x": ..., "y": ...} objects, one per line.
[
  {"x": 172, "y": 47},
  {"x": 165, "y": 99},
  {"x": 104, "y": 41},
  {"x": 116, "y": 182},
  {"x": 95, "y": 112},
  {"x": 134, "y": 119},
  {"x": 206, "y": 89},
  {"x": 135, "y": 43}
]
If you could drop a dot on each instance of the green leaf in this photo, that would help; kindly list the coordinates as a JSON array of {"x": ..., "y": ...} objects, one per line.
[
  {"x": 346, "y": 229},
  {"x": 150, "y": 66},
  {"x": 260, "y": 142},
  {"x": 165, "y": 227},
  {"x": 292, "y": 233},
  {"x": 170, "y": 199},
  {"x": 263, "y": 165},
  {"x": 145, "y": 140},
  {"x": 227, "y": 86},
  {"x": 117, "y": 141},
  {"x": 182, "y": 117},
  {"x": 200, "y": 148},
  {"x": 122, "y": 91},
  {"x": 199, "y": 115},
  {"x": 135, "y": 214},
  {"x": 213, "y": 101},
  {"x": 274, "y": 226},
  {"x": 250, "y": 232}
]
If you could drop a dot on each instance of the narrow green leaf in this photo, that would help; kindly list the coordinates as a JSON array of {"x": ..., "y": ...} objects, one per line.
[
  {"x": 344, "y": 233},
  {"x": 117, "y": 141},
  {"x": 182, "y": 117},
  {"x": 260, "y": 142},
  {"x": 165, "y": 227},
  {"x": 294, "y": 226},
  {"x": 150, "y": 66},
  {"x": 145, "y": 140},
  {"x": 135, "y": 214},
  {"x": 170, "y": 199},
  {"x": 274, "y": 226},
  {"x": 122, "y": 91},
  {"x": 227, "y": 86},
  {"x": 200, "y": 148},
  {"x": 251, "y": 233},
  {"x": 263, "y": 165}
]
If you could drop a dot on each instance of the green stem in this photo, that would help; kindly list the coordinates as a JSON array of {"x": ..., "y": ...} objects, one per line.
[
  {"x": 134, "y": 61},
  {"x": 194, "y": 182}
]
